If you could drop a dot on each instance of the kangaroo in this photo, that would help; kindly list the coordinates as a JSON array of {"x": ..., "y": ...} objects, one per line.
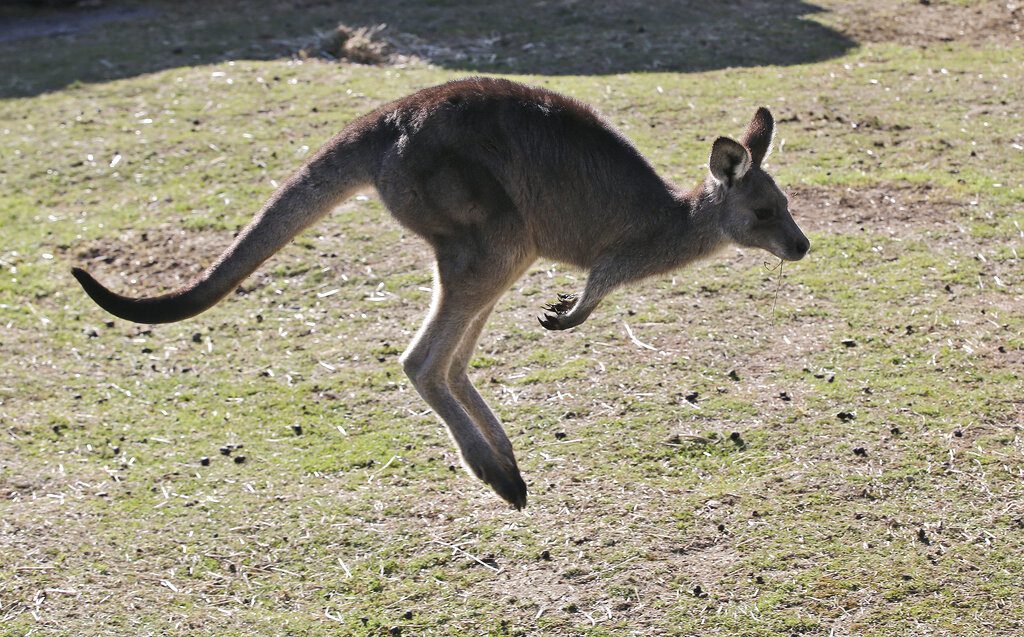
[{"x": 494, "y": 174}]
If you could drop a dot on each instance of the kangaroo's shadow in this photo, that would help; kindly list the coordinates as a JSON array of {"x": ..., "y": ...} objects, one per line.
[{"x": 45, "y": 49}]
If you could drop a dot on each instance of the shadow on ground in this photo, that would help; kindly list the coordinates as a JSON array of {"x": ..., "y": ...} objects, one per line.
[{"x": 45, "y": 49}]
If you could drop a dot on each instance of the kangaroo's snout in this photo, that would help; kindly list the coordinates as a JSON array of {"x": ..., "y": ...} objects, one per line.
[
  {"x": 798, "y": 249},
  {"x": 791, "y": 241}
]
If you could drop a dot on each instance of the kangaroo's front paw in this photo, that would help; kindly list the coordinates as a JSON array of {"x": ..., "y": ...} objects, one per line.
[{"x": 554, "y": 317}]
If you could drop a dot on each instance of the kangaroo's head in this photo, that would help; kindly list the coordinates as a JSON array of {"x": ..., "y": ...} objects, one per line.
[{"x": 753, "y": 211}]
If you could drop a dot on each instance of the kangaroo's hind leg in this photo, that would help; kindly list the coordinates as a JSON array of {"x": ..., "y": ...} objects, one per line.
[
  {"x": 468, "y": 282},
  {"x": 466, "y": 393}
]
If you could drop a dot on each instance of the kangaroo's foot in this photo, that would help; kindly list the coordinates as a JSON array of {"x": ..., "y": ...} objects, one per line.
[
  {"x": 554, "y": 317},
  {"x": 502, "y": 476}
]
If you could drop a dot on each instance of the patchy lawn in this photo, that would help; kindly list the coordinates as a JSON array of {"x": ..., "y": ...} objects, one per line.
[{"x": 849, "y": 464}]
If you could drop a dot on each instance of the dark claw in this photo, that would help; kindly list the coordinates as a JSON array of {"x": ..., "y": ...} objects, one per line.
[
  {"x": 565, "y": 303},
  {"x": 554, "y": 312},
  {"x": 550, "y": 321},
  {"x": 506, "y": 481},
  {"x": 512, "y": 489}
]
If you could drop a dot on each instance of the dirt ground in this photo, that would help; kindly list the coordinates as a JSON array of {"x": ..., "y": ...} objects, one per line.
[{"x": 830, "y": 449}]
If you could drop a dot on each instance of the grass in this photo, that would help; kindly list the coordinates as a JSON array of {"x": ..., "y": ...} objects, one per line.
[{"x": 902, "y": 516}]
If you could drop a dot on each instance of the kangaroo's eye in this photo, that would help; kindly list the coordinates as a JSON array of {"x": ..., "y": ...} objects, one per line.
[{"x": 764, "y": 214}]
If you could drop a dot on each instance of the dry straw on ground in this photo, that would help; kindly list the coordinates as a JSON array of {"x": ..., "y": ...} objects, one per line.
[{"x": 363, "y": 45}]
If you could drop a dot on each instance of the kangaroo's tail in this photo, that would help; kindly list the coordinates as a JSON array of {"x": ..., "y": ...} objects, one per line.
[{"x": 336, "y": 172}]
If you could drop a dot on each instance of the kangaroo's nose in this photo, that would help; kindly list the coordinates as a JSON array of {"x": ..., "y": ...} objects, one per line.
[{"x": 800, "y": 248}]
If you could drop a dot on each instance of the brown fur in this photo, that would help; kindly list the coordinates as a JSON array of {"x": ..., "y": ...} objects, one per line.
[{"x": 494, "y": 174}]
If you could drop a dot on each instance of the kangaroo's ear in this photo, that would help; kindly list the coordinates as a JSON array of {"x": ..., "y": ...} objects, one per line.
[
  {"x": 729, "y": 161},
  {"x": 758, "y": 137}
]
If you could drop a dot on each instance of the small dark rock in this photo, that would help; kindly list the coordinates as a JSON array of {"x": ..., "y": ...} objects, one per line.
[
  {"x": 197, "y": 338},
  {"x": 759, "y": 579},
  {"x": 721, "y": 528},
  {"x": 545, "y": 555},
  {"x": 205, "y": 461},
  {"x": 922, "y": 536},
  {"x": 738, "y": 440},
  {"x": 147, "y": 350}
]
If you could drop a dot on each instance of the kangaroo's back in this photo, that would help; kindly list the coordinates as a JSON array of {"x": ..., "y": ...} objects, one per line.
[{"x": 485, "y": 146}]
